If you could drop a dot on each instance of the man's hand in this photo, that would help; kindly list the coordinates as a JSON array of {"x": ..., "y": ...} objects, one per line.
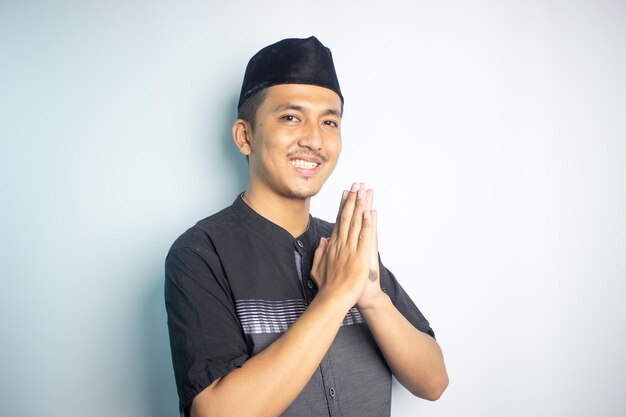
[{"x": 346, "y": 264}]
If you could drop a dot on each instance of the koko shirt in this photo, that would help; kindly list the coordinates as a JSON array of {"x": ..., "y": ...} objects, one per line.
[{"x": 235, "y": 282}]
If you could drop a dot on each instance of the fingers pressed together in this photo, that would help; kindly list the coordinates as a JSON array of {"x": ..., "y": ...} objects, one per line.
[
  {"x": 356, "y": 218},
  {"x": 343, "y": 261}
]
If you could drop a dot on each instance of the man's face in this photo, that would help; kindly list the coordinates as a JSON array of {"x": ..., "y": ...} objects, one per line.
[{"x": 296, "y": 141}]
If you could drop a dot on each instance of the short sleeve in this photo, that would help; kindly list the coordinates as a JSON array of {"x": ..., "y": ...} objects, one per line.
[
  {"x": 205, "y": 335},
  {"x": 403, "y": 302}
]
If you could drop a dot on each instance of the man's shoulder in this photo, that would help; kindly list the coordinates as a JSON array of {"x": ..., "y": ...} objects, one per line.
[
  {"x": 226, "y": 225},
  {"x": 199, "y": 236}
]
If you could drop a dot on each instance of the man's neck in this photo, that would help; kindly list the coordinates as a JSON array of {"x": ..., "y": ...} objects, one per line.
[{"x": 292, "y": 214}]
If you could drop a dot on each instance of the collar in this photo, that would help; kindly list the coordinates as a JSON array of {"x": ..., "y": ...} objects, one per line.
[{"x": 305, "y": 242}]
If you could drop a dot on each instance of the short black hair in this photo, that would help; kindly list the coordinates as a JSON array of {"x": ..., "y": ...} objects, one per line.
[{"x": 248, "y": 109}]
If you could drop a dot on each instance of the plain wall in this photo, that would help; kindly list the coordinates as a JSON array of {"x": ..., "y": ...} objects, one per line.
[{"x": 493, "y": 132}]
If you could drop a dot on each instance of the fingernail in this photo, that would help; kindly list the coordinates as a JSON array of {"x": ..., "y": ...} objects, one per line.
[
  {"x": 360, "y": 194},
  {"x": 354, "y": 187},
  {"x": 366, "y": 215}
]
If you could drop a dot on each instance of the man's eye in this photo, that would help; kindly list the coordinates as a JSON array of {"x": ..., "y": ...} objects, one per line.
[
  {"x": 331, "y": 123},
  {"x": 289, "y": 118}
]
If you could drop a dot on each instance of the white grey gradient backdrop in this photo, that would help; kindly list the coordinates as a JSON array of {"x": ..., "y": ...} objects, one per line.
[{"x": 493, "y": 132}]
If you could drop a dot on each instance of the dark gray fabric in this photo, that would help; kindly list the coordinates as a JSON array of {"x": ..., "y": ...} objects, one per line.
[{"x": 354, "y": 368}]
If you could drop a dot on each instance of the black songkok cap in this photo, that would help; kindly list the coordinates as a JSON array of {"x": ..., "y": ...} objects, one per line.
[{"x": 290, "y": 61}]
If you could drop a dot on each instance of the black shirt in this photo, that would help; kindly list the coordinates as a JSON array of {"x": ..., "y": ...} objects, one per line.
[{"x": 236, "y": 281}]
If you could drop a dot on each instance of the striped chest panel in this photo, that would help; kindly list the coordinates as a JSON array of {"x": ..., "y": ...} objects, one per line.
[{"x": 265, "y": 317}]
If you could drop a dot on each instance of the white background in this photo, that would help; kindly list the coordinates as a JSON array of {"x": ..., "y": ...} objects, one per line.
[{"x": 493, "y": 131}]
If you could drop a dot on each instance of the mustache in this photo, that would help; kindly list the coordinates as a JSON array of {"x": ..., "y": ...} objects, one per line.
[{"x": 308, "y": 152}]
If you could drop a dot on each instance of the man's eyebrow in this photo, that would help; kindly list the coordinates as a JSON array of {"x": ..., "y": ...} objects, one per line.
[
  {"x": 288, "y": 106},
  {"x": 333, "y": 112},
  {"x": 297, "y": 107}
]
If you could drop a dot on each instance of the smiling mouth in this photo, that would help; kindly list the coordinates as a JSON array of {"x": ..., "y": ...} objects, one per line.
[{"x": 301, "y": 163}]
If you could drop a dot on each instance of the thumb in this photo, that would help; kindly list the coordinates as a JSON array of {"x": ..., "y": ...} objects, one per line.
[
  {"x": 318, "y": 258},
  {"x": 319, "y": 252}
]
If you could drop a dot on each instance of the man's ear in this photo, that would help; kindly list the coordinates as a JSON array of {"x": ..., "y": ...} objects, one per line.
[{"x": 241, "y": 137}]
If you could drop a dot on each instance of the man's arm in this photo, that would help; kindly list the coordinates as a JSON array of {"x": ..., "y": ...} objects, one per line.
[
  {"x": 414, "y": 357},
  {"x": 267, "y": 383}
]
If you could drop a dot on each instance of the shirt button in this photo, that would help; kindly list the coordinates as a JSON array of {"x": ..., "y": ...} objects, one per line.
[
  {"x": 309, "y": 284},
  {"x": 332, "y": 392},
  {"x": 299, "y": 243}
]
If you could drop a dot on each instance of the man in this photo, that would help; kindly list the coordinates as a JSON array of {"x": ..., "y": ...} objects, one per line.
[{"x": 272, "y": 311}]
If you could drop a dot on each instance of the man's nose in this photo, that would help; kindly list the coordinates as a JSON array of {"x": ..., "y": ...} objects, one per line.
[{"x": 312, "y": 137}]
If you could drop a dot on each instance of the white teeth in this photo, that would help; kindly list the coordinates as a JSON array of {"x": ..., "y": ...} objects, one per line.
[{"x": 300, "y": 163}]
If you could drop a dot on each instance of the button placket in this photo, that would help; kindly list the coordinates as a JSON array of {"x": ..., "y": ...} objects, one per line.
[{"x": 307, "y": 284}]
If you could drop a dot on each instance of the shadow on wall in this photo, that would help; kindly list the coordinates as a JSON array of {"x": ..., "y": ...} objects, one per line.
[
  {"x": 161, "y": 396},
  {"x": 160, "y": 383}
]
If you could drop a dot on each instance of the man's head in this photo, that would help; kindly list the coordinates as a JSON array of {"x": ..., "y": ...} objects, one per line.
[{"x": 289, "y": 121}]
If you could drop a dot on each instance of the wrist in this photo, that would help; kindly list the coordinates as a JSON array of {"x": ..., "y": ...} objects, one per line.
[
  {"x": 335, "y": 300},
  {"x": 374, "y": 305}
]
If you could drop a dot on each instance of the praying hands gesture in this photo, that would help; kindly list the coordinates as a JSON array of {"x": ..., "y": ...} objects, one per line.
[{"x": 346, "y": 263}]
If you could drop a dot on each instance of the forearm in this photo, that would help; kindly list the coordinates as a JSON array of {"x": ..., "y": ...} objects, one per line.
[
  {"x": 268, "y": 383},
  {"x": 414, "y": 357}
]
